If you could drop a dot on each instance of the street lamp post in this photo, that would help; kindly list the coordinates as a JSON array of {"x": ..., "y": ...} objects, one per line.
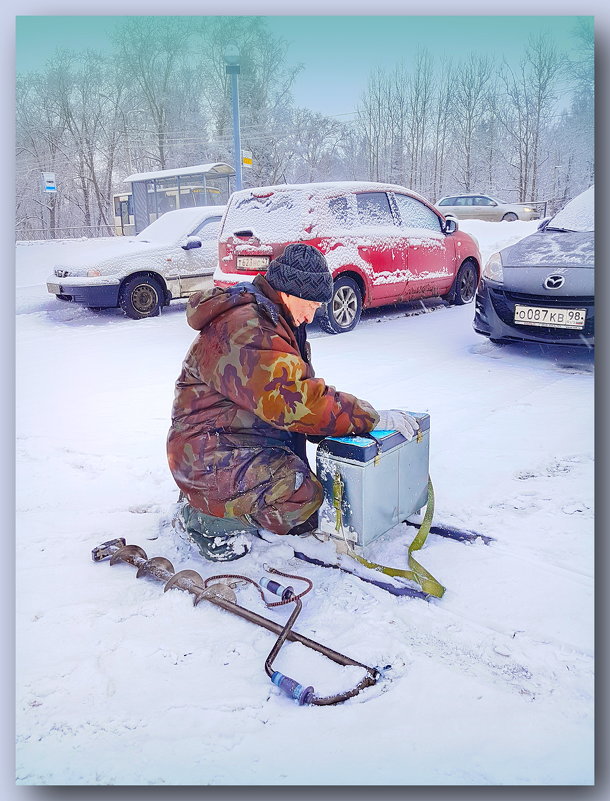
[
  {"x": 556, "y": 187},
  {"x": 232, "y": 67}
]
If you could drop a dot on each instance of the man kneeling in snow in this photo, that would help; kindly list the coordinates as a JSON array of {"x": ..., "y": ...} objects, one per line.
[{"x": 247, "y": 399}]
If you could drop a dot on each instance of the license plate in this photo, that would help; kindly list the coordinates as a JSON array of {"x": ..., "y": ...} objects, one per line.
[
  {"x": 54, "y": 289},
  {"x": 550, "y": 318},
  {"x": 252, "y": 262}
]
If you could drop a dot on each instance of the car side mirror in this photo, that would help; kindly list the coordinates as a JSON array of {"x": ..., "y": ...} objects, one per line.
[
  {"x": 191, "y": 242},
  {"x": 450, "y": 226}
]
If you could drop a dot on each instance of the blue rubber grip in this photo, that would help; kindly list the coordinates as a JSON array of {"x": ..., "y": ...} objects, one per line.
[
  {"x": 292, "y": 688},
  {"x": 276, "y": 589}
]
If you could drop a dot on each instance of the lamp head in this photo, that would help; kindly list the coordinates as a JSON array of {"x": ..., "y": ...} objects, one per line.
[{"x": 232, "y": 54}]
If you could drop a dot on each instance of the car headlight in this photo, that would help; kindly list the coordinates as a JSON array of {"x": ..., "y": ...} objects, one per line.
[
  {"x": 527, "y": 208},
  {"x": 93, "y": 273},
  {"x": 493, "y": 269}
]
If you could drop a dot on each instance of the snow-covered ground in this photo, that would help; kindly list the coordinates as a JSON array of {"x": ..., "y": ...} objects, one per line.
[{"x": 120, "y": 684}]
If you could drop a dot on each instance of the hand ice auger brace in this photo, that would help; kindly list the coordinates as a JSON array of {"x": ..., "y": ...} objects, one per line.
[{"x": 222, "y": 595}]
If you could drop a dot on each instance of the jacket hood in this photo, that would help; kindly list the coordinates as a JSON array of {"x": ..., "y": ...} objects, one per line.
[{"x": 205, "y": 306}]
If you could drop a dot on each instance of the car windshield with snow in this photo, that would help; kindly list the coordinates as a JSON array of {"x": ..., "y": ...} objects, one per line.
[
  {"x": 383, "y": 243},
  {"x": 171, "y": 258},
  {"x": 542, "y": 287}
]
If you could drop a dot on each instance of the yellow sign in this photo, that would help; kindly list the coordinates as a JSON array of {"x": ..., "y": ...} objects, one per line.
[{"x": 246, "y": 157}]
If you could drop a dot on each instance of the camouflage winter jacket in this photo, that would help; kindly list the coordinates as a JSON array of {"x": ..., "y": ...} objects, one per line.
[{"x": 245, "y": 384}]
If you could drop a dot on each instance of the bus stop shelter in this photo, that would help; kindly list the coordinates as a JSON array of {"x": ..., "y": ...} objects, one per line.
[{"x": 154, "y": 193}]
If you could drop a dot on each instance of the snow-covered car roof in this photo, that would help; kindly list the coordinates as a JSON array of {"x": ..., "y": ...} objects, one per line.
[
  {"x": 285, "y": 210},
  {"x": 578, "y": 214},
  {"x": 173, "y": 225},
  {"x": 329, "y": 187}
]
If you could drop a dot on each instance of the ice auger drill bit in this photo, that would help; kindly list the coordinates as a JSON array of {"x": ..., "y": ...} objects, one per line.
[{"x": 216, "y": 590}]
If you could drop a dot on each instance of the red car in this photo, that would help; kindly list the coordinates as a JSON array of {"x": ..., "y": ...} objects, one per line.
[{"x": 383, "y": 243}]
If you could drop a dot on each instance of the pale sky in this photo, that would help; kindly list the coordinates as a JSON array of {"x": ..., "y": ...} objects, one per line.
[{"x": 338, "y": 52}]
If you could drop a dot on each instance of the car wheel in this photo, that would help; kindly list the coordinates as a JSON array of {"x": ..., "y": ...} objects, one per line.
[
  {"x": 141, "y": 296},
  {"x": 509, "y": 217},
  {"x": 465, "y": 286},
  {"x": 344, "y": 309}
]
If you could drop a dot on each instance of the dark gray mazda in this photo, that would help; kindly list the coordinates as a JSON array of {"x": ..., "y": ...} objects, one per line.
[{"x": 541, "y": 289}]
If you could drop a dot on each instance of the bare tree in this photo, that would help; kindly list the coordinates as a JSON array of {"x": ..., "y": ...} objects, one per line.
[
  {"x": 443, "y": 112},
  {"x": 151, "y": 52},
  {"x": 40, "y": 129},
  {"x": 265, "y": 83},
  {"x": 469, "y": 110},
  {"x": 578, "y": 124},
  {"x": 395, "y": 116},
  {"x": 90, "y": 93},
  {"x": 373, "y": 120},
  {"x": 580, "y": 67},
  {"x": 317, "y": 139},
  {"x": 528, "y": 107},
  {"x": 420, "y": 90}
]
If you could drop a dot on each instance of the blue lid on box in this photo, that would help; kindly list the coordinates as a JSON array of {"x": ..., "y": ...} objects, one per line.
[{"x": 367, "y": 447}]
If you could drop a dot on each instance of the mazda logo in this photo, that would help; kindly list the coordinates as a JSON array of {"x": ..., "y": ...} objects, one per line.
[{"x": 554, "y": 281}]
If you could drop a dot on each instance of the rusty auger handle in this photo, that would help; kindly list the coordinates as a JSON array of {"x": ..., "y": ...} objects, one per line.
[{"x": 223, "y": 596}]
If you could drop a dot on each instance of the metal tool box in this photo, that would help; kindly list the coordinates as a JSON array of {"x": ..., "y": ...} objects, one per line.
[{"x": 373, "y": 482}]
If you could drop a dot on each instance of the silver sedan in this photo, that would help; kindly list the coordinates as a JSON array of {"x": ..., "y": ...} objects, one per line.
[{"x": 471, "y": 206}]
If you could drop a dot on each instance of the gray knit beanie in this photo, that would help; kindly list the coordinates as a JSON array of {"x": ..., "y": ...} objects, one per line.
[{"x": 301, "y": 270}]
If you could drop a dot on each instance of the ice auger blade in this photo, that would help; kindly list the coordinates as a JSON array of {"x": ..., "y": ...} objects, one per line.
[
  {"x": 216, "y": 591},
  {"x": 107, "y": 549}
]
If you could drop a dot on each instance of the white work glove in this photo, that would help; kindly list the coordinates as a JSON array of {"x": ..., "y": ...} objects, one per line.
[{"x": 397, "y": 420}]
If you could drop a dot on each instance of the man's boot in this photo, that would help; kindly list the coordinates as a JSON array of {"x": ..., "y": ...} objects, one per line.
[
  {"x": 218, "y": 539},
  {"x": 305, "y": 528}
]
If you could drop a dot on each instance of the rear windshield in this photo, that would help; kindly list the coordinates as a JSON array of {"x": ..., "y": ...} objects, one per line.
[
  {"x": 277, "y": 217},
  {"x": 171, "y": 226}
]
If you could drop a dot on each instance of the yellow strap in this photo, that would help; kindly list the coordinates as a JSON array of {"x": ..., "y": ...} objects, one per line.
[{"x": 417, "y": 573}]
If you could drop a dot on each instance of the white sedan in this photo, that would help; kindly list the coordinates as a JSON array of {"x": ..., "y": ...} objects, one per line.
[{"x": 171, "y": 258}]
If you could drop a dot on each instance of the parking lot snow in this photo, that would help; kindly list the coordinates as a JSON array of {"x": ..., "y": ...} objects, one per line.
[{"x": 120, "y": 684}]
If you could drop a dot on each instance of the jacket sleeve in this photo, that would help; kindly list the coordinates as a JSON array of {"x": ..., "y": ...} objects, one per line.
[{"x": 257, "y": 367}]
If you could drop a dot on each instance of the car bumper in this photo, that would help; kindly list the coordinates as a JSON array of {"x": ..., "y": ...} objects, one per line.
[
  {"x": 225, "y": 280},
  {"x": 494, "y": 317},
  {"x": 98, "y": 294}
]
